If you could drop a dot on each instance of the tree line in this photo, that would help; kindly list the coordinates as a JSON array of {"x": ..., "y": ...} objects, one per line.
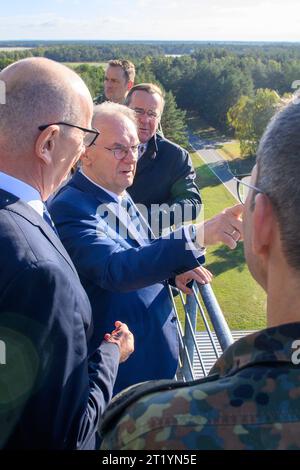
[
  {"x": 234, "y": 87},
  {"x": 233, "y": 92}
]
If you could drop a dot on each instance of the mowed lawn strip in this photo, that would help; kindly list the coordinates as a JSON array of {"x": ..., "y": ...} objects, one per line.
[{"x": 242, "y": 301}]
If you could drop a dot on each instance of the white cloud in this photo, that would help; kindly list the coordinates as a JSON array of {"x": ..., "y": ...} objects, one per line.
[{"x": 156, "y": 19}]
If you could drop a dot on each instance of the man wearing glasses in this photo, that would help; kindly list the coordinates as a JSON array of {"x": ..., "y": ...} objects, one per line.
[
  {"x": 52, "y": 393},
  {"x": 123, "y": 269},
  {"x": 164, "y": 175},
  {"x": 251, "y": 399}
]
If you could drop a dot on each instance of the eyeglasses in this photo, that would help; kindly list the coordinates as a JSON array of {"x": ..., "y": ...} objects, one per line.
[
  {"x": 90, "y": 135},
  {"x": 151, "y": 114},
  {"x": 244, "y": 186},
  {"x": 122, "y": 152}
]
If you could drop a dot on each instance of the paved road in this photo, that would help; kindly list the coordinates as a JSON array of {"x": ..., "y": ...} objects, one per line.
[{"x": 218, "y": 165}]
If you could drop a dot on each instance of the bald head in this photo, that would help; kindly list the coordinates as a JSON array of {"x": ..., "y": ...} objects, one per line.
[{"x": 38, "y": 91}]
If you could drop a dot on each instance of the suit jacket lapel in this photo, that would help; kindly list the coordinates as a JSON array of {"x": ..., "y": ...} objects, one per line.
[
  {"x": 13, "y": 204},
  {"x": 148, "y": 159},
  {"x": 81, "y": 182},
  {"x": 146, "y": 227}
]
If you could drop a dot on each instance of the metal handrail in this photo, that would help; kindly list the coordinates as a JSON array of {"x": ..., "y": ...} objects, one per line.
[{"x": 187, "y": 338}]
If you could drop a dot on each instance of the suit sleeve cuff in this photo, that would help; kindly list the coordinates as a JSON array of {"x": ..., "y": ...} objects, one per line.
[{"x": 198, "y": 251}]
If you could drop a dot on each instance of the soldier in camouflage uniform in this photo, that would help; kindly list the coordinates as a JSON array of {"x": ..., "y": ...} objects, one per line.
[{"x": 251, "y": 398}]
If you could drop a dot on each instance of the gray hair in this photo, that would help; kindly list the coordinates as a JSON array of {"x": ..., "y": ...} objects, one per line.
[
  {"x": 278, "y": 175},
  {"x": 110, "y": 109}
]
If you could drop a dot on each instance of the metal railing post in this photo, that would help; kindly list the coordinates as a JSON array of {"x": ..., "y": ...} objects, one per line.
[{"x": 191, "y": 309}]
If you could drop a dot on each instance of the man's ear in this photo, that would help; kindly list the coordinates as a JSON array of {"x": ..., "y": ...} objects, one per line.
[
  {"x": 264, "y": 221},
  {"x": 87, "y": 157},
  {"x": 45, "y": 143}
]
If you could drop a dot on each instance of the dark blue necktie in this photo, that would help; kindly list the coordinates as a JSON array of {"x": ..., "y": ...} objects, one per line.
[
  {"x": 127, "y": 204},
  {"x": 47, "y": 218}
]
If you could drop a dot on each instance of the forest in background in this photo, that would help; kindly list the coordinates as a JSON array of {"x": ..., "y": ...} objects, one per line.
[{"x": 234, "y": 87}]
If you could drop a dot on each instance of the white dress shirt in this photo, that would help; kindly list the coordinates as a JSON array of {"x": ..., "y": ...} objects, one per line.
[
  {"x": 115, "y": 196},
  {"x": 23, "y": 191}
]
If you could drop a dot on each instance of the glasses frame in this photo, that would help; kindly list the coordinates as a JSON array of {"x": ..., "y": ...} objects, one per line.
[
  {"x": 142, "y": 112},
  {"x": 93, "y": 130},
  {"x": 250, "y": 186},
  {"x": 126, "y": 150}
]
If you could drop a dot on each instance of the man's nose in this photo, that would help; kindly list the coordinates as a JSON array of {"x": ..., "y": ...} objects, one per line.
[
  {"x": 143, "y": 118},
  {"x": 131, "y": 155}
]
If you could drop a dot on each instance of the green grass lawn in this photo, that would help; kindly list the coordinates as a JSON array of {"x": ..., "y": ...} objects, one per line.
[
  {"x": 241, "y": 299},
  {"x": 202, "y": 129},
  {"x": 230, "y": 150}
]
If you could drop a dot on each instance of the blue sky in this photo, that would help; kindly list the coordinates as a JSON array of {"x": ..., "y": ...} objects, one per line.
[{"x": 240, "y": 20}]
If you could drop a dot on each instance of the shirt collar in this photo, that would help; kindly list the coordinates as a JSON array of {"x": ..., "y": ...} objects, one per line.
[
  {"x": 23, "y": 191},
  {"x": 269, "y": 345},
  {"x": 115, "y": 196}
]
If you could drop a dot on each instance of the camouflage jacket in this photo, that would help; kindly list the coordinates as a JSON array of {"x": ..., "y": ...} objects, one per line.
[{"x": 250, "y": 400}]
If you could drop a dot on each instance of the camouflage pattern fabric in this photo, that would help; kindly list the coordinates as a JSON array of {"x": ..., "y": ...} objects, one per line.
[{"x": 251, "y": 400}]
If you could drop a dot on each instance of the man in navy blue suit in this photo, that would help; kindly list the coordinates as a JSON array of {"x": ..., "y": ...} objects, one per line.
[
  {"x": 52, "y": 392},
  {"x": 123, "y": 271}
]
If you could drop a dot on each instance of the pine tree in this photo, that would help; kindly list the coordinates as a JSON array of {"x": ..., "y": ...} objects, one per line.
[{"x": 174, "y": 121}]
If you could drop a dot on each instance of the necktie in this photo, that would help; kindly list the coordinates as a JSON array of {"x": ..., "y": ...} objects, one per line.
[
  {"x": 134, "y": 217},
  {"x": 47, "y": 218},
  {"x": 141, "y": 150}
]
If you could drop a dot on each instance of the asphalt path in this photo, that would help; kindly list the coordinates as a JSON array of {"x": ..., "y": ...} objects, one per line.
[{"x": 217, "y": 164}]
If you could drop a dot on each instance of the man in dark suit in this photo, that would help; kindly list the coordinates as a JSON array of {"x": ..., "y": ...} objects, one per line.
[
  {"x": 52, "y": 393},
  {"x": 164, "y": 175},
  {"x": 120, "y": 267}
]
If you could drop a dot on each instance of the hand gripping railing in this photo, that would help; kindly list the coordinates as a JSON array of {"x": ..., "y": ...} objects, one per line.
[{"x": 218, "y": 340}]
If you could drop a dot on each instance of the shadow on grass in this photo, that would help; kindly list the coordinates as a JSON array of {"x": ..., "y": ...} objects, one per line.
[
  {"x": 202, "y": 129},
  {"x": 225, "y": 170},
  {"x": 242, "y": 166},
  {"x": 205, "y": 178},
  {"x": 227, "y": 259}
]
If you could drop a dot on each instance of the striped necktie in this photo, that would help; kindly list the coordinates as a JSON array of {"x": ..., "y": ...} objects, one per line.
[
  {"x": 135, "y": 218},
  {"x": 127, "y": 204},
  {"x": 141, "y": 150},
  {"x": 47, "y": 218}
]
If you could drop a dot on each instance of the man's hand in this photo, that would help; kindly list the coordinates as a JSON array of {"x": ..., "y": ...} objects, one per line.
[
  {"x": 225, "y": 227},
  {"x": 123, "y": 338},
  {"x": 199, "y": 274}
]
